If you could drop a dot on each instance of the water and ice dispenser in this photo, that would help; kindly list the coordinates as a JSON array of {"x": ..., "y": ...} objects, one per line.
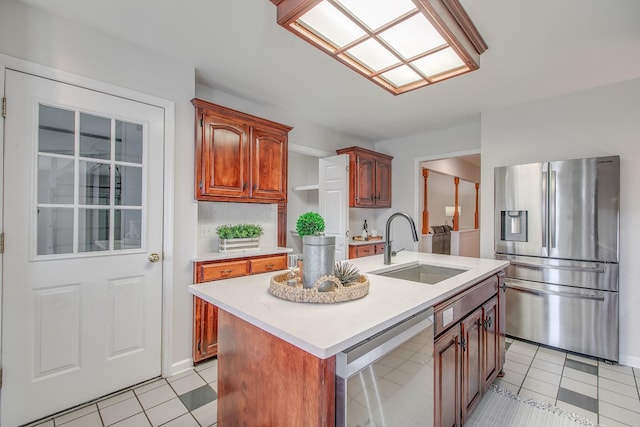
[{"x": 513, "y": 226}]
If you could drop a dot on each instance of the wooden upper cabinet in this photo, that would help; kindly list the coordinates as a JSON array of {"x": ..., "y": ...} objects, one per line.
[
  {"x": 239, "y": 157},
  {"x": 269, "y": 163},
  {"x": 223, "y": 158},
  {"x": 369, "y": 178}
]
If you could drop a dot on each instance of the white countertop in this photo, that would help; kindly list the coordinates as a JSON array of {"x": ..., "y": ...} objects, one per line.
[
  {"x": 327, "y": 329},
  {"x": 365, "y": 242},
  {"x": 217, "y": 256}
]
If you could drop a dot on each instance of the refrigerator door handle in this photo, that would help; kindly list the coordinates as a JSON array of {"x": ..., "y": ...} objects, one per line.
[
  {"x": 545, "y": 187},
  {"x": 542, "y": 293},
  {"x": 552, "y": 208},
  {"x": 558, "y": 267}
]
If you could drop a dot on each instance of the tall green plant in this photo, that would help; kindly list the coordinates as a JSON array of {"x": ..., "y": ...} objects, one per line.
[{"x": 310, "y": 224}]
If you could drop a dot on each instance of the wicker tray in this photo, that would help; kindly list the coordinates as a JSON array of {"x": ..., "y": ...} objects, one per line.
[{"x": 339, "y": 293}]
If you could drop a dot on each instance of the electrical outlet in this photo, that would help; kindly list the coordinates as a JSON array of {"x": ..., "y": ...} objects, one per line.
[{"x": 207, "y": 231}]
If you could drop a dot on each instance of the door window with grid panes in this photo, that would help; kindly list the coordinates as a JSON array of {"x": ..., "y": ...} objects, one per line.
[{"x": 90, "y": 183}]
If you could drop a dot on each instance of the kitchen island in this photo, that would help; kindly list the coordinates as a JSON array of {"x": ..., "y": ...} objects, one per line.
[{"x": 276, "y": 358}]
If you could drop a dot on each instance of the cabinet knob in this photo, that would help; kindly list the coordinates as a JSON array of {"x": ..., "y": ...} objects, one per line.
[
  {"x": 244, "y": 186},
  {"x": 255, "y": 186}
]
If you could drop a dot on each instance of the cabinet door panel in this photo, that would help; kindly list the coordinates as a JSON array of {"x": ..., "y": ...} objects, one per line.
[
  {"x": 205, "y": 330},
  {"x": 383, "y": 183},
  {"x": 446, "y": 357},
  {"x": 269, "y": 165},
  {"x": 224, "y": 158},
  {"x": 491, "y": 341},
  {"x": 365, "y": 180},
  {"x": 471, "y": 362}
]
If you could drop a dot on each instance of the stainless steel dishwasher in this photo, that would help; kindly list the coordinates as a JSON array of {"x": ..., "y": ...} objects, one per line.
[{"x": 387, "y": 380}]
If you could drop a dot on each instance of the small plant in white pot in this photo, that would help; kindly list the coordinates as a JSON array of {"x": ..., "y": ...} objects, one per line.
[{"x": 239, "y": 237}]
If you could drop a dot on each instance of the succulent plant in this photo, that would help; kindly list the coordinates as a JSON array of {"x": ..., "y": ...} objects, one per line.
[{"x": 346, "y": 272}]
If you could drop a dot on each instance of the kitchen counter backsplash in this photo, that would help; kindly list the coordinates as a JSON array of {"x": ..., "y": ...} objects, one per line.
[{"x": 211, "y": 215}]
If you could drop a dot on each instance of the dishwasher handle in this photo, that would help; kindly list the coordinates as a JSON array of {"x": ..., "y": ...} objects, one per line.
[{"x": 543, "y": 292}]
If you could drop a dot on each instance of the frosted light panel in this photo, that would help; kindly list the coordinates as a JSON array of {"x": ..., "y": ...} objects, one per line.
[
  {"x": 439, "y": 62},
  {"x": 401, "y": 76},
  {"x": 372, "y": 54},
  {"x": 413, "y": 37},
  {"x": 331, "y": 24},
  {"x": 376, "y": 13}
]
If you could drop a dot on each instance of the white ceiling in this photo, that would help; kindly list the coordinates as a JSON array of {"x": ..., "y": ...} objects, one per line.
[{"x": 537, "y": 49}]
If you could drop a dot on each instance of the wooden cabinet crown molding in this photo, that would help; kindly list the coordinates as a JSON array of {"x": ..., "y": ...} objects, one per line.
[{"x": 245, "y": 117}]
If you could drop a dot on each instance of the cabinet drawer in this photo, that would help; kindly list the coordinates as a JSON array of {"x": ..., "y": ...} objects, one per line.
[
  {"x": 263, "y": 265},
  {"x": 379, "y": 248},
  {"x": 365, "y": 250},
  {"x": 453, "y": 310},
  {"x": 223, "y": 270}
]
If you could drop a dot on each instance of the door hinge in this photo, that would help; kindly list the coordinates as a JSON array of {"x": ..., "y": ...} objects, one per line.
[
  {"x": 4, "y": 107},
  {"x": 1, "y": 252},
  {"x": 201, "y": 121},
  {"x": 0, "y": 378}
]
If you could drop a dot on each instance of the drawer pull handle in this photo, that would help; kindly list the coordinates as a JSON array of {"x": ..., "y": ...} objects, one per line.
[
  {"x": 226, "y": 272},
  {"x": 269, "y": 266}
]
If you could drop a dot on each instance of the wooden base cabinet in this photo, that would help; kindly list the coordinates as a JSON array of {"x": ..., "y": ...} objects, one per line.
[
  {"x": 205, "y": 315},
  {"x": 357, "y": 251},
  {"x": 467, "y": 350}
]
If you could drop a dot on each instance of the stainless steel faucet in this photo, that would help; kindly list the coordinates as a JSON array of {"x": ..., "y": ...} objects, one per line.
[{"x": 387, "y": 236}]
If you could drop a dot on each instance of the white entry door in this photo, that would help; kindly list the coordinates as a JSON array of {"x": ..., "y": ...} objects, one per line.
[
  {"x": 333, "y": 200},
  {"x": 82, "y": 288}
]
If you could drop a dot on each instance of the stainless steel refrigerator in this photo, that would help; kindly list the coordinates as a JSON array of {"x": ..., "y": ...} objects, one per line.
[{"x": 558, "y": 224}]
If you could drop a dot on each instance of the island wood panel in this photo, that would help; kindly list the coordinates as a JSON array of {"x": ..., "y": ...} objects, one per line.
[{"x": 265, "y": 381}]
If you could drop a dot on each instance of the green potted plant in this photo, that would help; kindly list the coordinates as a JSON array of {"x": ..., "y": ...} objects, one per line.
[
  {"x": 239, "y": 237},
  {"x": 310, "y": 224},
  {"x": 318, "y": 250}
]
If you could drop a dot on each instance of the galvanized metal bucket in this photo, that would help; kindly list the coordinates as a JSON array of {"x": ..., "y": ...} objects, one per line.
[{"x": 319, "y": 257}]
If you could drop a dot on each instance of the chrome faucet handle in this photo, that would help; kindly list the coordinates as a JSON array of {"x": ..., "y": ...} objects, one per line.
[{"x": 394, "y": 253}]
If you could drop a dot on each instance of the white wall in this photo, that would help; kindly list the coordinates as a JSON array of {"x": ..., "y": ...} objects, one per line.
[
  {"x": 36, "y": 36},
  {"x": 598, "y": 122},
  {"x": 39, "y": 37},
  {"x": 462, "y": 139}
]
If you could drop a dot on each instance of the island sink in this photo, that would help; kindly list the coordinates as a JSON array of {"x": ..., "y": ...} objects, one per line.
[{"x": 423, "y": 273}]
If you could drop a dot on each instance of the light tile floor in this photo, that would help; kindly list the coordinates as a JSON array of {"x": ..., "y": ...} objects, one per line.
[
  {"x": 184, "y": 400},
  {"x": 604, "y": 393}
]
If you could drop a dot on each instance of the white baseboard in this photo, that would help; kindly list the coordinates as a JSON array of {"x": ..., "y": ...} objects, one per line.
[
  {"x": 630, "y": 361},
  {"x": 181, "y": 366}
]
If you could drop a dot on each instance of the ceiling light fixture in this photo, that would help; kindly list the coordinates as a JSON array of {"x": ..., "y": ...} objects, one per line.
[{"x": 401, "y": 45}]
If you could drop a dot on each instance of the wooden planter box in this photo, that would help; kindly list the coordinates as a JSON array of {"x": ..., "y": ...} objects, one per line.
[{"x": 239, "y": 245}]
